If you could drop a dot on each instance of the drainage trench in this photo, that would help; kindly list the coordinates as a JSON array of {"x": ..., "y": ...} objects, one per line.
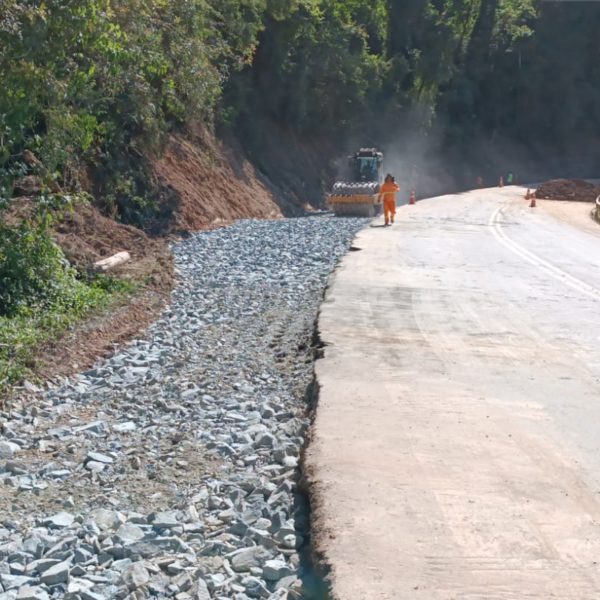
[{"x": 312, "y": 573}]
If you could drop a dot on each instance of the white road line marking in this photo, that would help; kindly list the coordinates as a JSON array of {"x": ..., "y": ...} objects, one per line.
[{"x": 540, "y": 263}]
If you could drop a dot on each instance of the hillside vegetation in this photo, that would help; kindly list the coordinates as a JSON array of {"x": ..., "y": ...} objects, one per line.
[{"x": 94, "y": 91}]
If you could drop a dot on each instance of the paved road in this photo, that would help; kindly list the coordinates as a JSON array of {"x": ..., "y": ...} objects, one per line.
[{"x": 456, "y": 450}]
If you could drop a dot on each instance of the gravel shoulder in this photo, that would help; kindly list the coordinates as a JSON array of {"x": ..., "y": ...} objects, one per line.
[{"x": 171, "y": 469}]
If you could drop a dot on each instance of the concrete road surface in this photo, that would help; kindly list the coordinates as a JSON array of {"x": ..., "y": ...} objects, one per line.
[{"x": 456, "y": 448}]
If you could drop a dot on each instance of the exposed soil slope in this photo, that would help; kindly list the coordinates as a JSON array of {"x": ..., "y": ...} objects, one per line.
[
  {"x": 87, "y": 236},
  {"x": 213, "y": 182}
]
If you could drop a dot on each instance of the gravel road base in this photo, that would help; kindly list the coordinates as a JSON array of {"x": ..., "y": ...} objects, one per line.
[{"x": 171, "y": 469}]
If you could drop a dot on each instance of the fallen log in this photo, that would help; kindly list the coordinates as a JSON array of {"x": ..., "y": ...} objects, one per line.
[{"x": 106, "y": 264}]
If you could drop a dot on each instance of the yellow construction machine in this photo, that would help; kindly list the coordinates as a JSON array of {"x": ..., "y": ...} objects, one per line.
[{"x": 358, "y": 197}]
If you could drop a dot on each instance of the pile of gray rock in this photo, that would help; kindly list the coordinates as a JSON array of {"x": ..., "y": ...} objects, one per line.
[{"x": 171, "y": 470}]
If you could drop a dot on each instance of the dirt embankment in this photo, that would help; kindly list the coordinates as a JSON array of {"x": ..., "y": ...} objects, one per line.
[
  {"x": 215, "y": 180},
  {"x": 213, "y": 183},
  {"x": 87, "y": 236}
]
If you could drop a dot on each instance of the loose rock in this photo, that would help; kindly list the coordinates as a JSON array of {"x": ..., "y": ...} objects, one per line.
[
  {"x": 177, "y": 458},
  {"x": 274, "y": 570},
  {"x": 32, "y": 593},
  {"x": 63, "y": 519},
  {"x": 8, "y": 449},
  {"x": 56, "y": 574},
  {"x": 252, "y": 557},
  {"x": 136, "y": 576}
]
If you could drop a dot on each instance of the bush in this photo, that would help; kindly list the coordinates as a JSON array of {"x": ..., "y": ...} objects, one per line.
[{"x": 33, "y": 270}]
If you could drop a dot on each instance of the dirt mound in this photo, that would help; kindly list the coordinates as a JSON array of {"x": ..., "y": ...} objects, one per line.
[
  {"x": 86, "y": 236},
  {"x": 576, "y": 190},
  {"x": 213, "y": 182}
]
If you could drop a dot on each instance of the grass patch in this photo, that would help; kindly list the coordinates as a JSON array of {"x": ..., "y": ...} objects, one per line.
[{"x": 23, "y": 333}]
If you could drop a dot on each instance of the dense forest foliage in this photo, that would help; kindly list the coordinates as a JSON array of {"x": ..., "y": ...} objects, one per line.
[{"x": 91, "y": 89}]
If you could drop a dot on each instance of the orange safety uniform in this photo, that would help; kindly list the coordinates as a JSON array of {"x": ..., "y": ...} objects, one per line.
[{"x": 389, "y": 191}]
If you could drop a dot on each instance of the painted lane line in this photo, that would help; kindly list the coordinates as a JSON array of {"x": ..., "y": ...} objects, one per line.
[{"x": 537, "y": 261}]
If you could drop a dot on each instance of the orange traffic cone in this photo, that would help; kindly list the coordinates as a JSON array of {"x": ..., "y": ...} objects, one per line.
[
  {"x": 413, "y": 198},
  {"x": 532, "y": 204},
  {"x": 528, "y": 194},
  {"x": 501, "y": 182}
]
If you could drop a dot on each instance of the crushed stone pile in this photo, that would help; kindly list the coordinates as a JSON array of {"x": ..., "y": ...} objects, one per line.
[
  {"x": 576, "y": 190},
  {"x": 171, "y": 470}
]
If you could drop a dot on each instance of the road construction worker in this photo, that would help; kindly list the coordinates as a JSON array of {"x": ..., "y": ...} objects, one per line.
[{"x": 388, "y": 192}]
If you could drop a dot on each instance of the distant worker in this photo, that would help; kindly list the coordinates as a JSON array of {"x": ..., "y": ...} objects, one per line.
[
  {"x": 388, "y": 192},
  {"x": 510, "y": 178}
]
